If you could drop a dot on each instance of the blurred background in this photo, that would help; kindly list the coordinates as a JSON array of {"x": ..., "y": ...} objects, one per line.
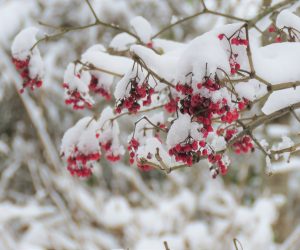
[{"x": 43, "y": 207}]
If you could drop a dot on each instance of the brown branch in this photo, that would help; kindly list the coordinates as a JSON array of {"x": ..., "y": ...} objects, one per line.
[
  {"x": 166, "y": 246},
  {"x": 139, "y": 60},
  {"x": 204, "y": 11},
  {"x": 268, "y": 11},
  {"x": 286, "y": 150}
]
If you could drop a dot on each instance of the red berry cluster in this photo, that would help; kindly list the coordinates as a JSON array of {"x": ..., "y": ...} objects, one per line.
[
  {"x": 137, "y": 92},
  {"x": 239, "y": 41},
  {"x": 171, "y": 106},
  {"x": 235, "y": 40},
  {"x": 189, "y": 151},
  {"x": 106, "y": 146},
  {"x": 216, "y": 159},
  {"x": 76, "y": 98},
  {"x": 273, "y": 29},
  {"x": 96, "y": 88},
  {"x": 132, "y": 148},
  {"x": 80, "y": 164},
  {"x": 234, "y": 65},
  {"x": 23, "y": 67},
  {"x": 203, "y": 109},
  {"x": 243, "y": 145}
]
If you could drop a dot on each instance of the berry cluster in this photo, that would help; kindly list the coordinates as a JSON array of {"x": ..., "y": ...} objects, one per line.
[
  {"x": 217, "y": 160},
  {"x": 273, "y": 29},
  {"x": 203, "y": 109},
  {"x": 81, "y": 164},
  {"x": 132, "y": 148},
  {"x": 23, "y": 67},
  {"x": 171, "y": 106},
  {"x": 137, "y": 92},
  {"x": 239, "y": 41},
  {"x": 106, "y": 146},
  {"x": 243, "y": 145},
  {"x": 189, "y": 151},
  {"x": 76, "y": 98},
  {"x": 95, "y": 87},
  {"x": 234, "y": 65},
  {"x": 235, "y": 40}
]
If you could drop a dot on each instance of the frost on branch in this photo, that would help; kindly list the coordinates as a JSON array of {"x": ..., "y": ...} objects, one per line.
[{"x": 27, "y": 59}]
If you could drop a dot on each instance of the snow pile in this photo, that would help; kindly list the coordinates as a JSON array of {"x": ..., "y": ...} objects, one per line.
[
  {"x": 142, "y": 28},
  {"x": 287, "y": 19},
  {"x": 108, "y": 132},
  {"x": 181, "y": 129},
  {"x": 23, "y": 48},
  {"x": 122, "y": 42},
  {"x": 81, "y": 136}
]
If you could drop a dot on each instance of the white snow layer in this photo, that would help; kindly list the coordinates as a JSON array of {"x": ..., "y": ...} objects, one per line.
[
  {"x": 142, "y": 28},
  {"x": 122, "y": 41},
  {"x": 288, "y": 19},
  {"x": 23, "y": 42},
  {"x": 22, "y": 49},
  {"x": 82, "y": 135},
  {"x": 278, "y": 63}
]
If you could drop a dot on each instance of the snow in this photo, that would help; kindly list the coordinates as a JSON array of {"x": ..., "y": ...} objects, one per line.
[
  {"x": 102, "y": 60},
  {"x": 150, "y": 146},
  {"x": 10, "y": 24},
  {"x": 164, "y": 65},
  {"x": 83, "y": 135},
  {"x": 142, "y": 28},
  {"x": 218, "y": 143},
  {"x": 22, "y": 49},
  {"x": 122, "y": 42},
  {"x": 179, "y": 130},
  {"x": 273, "y": 62},
  {"x": 288, "y": 19},
  {"x": 205, "y": 50},
  {"x": 251, "y": 90},
  {"x": 276, "y": 101},
  {"x": 119, "y": 208},
  {"x": 285, "y": 143},
  {"x": 116, "y": 213},
  {"x": 109, "y": 131},
  {"x": 23, "y": 42}
]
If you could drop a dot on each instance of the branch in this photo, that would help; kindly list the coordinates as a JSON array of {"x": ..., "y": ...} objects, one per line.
[
  {"x": 92, "y": 10},
  {"x": 139, "y": 60},
  {"x": 267, "y": 11}
]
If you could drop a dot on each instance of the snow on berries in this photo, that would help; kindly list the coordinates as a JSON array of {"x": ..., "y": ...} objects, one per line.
[
  {"x": 76, "y": 85},
  {"x": 80, "y": 147},
  {"x": 96, "y": 87},
  {"x": 199, "y": 107},
  {"x": 27, "y": 59},
  {"x": 108, "y": 135}
]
